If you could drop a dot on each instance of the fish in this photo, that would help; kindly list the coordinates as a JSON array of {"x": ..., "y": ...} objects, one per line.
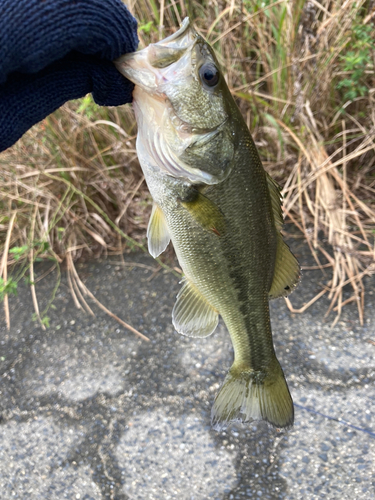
[{"x": 222, "y": 212}]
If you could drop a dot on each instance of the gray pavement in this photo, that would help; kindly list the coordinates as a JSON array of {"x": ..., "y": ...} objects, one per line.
[{"x": 89, "y": 411}]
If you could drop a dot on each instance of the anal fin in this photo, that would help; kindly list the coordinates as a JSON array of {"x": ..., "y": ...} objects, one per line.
[
  {"x": 157, "y": 232},
  {"x": 192, "y": 315}
]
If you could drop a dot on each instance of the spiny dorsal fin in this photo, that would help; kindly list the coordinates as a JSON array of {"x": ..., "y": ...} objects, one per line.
[
  {"x": 275, "y": 193},
  {"x": 287, "y": 270},
  {"x": 157, "y": 232},
  {"x": 192, "y": 315}
]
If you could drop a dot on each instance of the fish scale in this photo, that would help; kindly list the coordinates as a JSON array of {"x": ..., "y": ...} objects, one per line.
[{"x": 222, "y": 212}]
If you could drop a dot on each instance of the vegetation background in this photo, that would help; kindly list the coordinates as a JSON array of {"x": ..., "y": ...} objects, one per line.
[{"x": 302, "y": 72}]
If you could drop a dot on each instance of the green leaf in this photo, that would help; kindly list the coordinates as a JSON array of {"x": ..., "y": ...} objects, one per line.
[
  {"x": 8, "y": 287},
  {"x": 18, "y": 252},
  {"x": 45, "y": 321},
  {"x": 146, "y": 28}
]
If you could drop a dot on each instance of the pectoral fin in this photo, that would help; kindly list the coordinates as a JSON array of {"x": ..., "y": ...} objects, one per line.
[
  {"x": 157, "y": 232},
  {"x": 192, "y": 315},
  {"x": 206, "y": 213}
]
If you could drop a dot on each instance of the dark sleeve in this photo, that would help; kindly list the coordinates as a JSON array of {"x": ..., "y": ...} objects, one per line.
[{"x": 52, "y": 51}]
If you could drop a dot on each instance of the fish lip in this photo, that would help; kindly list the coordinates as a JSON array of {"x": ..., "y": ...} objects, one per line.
[
  {"x": 185, "y": 25},
  {"x": 141, "y": 67}
]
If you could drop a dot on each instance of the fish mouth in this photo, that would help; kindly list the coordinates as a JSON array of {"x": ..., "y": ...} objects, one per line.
[{"x": 150, "y": 68}]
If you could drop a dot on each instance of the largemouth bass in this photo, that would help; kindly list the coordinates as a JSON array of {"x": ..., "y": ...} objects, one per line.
[{"x": 222, "y": 212}]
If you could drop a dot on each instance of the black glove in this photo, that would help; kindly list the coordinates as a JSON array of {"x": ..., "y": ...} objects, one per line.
[{"x": 52, "y": 51}]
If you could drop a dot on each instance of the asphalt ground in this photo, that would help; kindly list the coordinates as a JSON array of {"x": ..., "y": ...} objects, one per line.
[{"x": 90, "y": 411}]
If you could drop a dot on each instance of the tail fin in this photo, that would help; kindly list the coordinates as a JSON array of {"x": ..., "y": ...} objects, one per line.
[{"x": 248, "y": 395}]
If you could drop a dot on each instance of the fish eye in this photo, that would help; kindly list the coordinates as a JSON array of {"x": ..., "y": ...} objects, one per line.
[{"x": 209, "y": 74}]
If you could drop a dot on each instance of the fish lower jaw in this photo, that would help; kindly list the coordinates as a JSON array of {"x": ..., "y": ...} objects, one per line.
[
  {"x": 183, "y": 127},
  {"x": 141, "y": 92},
  {"x": 179, "y": 125}
]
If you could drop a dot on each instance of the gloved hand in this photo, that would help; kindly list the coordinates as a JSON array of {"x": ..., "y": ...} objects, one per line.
[{"x": 52, "y": 51}]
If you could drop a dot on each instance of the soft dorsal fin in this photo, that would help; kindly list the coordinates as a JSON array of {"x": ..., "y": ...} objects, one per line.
[
  {"x": 192, "y": 315},
  {"x": 287, "y": 271},
  {"x": 157, "y": 232}
]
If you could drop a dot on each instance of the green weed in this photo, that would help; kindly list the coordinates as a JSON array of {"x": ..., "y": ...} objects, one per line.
[
  {"x": 8, "y": 287},
  {"x": 356, "y": 61}
]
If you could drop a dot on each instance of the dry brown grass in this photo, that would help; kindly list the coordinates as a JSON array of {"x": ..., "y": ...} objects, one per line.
[{"x": 73, "y": 186}]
